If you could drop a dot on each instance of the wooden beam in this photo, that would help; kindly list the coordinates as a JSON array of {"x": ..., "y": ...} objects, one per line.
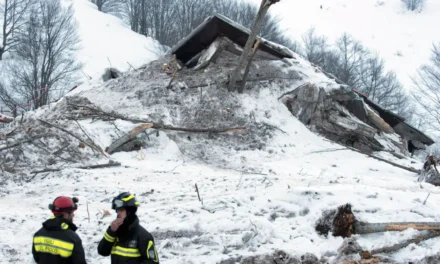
[{"x": 246, "y": 55}]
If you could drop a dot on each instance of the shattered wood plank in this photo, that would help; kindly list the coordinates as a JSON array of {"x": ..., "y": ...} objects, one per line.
[
  {"x": 353, "y": 125},
  {"x": 127, "y": 137},
  {"x": 378, "y": 122},
  {"x": 211, "y": 53},
  {"x": 132, "y": 134}
]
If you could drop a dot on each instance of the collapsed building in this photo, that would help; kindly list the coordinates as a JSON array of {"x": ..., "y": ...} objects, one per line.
[
  {"x": 346, "y": 115},
  {"x": 184, "y": 95},
  {"x": 185, "y": 91}
]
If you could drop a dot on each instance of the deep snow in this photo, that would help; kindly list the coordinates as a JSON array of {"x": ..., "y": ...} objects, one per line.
[{"x": 254, "y": 202}]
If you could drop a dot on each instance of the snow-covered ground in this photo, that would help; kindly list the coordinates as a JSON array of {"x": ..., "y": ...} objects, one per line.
[
  {"x": 279, "y": 205},
  {"x": 292, "y": 180},
  {"x": 385, "y": 26},
  {"x": 271, "y": 201}
]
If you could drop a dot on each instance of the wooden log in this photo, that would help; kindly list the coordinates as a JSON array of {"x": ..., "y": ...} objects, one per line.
[
  {"x": 378, "y": 122},
  {"x": 211, "y": 53},
  {"x": 248, "y": 66},
  {"x": 246, "y": 54},
  {"x": 87, "y": 167},
  {"x": 393, "y": 248},
  {"x": 127, "y": 137},
  {"x": 367, "y": 228}
]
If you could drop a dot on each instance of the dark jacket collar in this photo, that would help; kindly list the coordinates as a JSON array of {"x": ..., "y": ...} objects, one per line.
[
  {"x": 127, "y": 229},
  {"x": 59, "y": 223}
]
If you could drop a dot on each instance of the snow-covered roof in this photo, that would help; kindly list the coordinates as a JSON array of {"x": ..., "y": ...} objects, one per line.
[{"x": 215, "y": 26}]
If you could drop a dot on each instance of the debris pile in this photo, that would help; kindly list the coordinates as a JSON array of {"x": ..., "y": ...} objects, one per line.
[
  {"x": 342, "y": 222},
  {"x": 277, "y": 257},
  {"x": 430, "y": 173}
]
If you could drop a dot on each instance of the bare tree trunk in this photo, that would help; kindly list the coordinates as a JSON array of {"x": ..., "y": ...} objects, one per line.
[
  {"x": 246, "y": 54},
  {"x": 4, "y": 33},
  {"x": 399, "y": 246},
  {"x": 14, "y": 15},
  {"x": 366, "y": 228}
]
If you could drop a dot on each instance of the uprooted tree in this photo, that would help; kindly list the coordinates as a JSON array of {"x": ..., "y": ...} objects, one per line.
[{"x": 343, "y": 222}]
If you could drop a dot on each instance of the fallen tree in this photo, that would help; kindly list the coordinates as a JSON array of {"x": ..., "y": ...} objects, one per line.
[
  {"x": 98, "y": 113},
  {"x": 342, "y": 222},
  {"x": 87, "y": 167},
  {"x": 398, "y": 246}
]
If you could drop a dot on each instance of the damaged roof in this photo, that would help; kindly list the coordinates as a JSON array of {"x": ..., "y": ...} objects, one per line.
[
  {"x": 216, "y": 26},
  {"x": 397, "y": 122}
]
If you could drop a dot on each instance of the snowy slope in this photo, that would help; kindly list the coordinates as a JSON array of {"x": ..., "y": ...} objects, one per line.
[
  {"x": 384, "y": 26},
  {"x": 254, "y": 202},
  {"x": 271, "y": 202},
  {"x": 107, "y": 42}
]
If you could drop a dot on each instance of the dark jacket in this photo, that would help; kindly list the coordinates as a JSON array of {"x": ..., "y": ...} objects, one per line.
[
  {"x": 57, "y": 243},
  {"x": 136, "y": 246}
]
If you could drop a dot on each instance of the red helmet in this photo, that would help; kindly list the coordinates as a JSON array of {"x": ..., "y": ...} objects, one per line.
[{"x": 63, "y": 204}]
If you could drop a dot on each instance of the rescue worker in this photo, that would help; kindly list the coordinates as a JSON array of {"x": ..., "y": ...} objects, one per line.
[
  {"x": 56, "y": 242},
  {"x": 125, "y": 239}
]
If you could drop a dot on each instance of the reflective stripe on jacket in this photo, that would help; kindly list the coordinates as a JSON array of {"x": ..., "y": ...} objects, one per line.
[
  {"x": 135, "y": 247},
  {"x": 57, "y": 243}
]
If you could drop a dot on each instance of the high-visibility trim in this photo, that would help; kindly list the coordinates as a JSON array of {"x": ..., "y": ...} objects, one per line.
[
  {"x": 64, "y": 226},
  {"x": 53, "y": 246},
  {"x": 126, "y": 252},
  {"x": 109, "y": 238},
  {"x": 151, "y": 252},
  {"x": 128, "y": 198}
]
